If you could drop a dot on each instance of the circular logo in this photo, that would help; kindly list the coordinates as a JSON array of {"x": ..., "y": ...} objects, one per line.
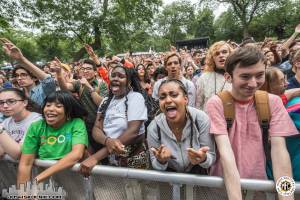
[{"x": 285, "y": 186}]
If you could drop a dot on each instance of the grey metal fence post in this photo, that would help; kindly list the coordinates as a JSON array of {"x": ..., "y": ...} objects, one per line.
[
  {"x": 189, "y": 192},
  {"x": 176, "y": 191},
  {"x": 270, "y": 196},
  {"x": 88, "y": 188}
]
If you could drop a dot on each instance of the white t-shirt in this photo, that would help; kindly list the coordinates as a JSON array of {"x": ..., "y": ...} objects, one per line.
[
  {"x": 115, "y": 121},
  {"x": 17, "y": 130}
]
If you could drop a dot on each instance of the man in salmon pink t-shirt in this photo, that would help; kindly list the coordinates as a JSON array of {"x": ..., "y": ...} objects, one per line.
[{"x": 240, "y": 151}]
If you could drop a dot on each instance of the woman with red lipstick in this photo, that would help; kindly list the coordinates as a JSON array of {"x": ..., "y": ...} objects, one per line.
[
  {"x": 179, "y": 137},
  {"x": 212, "y": 80},
  {"x": 61, "y": 136}
]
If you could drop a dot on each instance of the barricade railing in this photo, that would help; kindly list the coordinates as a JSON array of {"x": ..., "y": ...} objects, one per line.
[{"x": 177, "y": 180}]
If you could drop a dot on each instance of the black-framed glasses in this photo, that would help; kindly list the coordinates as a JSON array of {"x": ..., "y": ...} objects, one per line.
[
  {"x": 86, "y": 69},
  {"x": 9, "y": 102}
]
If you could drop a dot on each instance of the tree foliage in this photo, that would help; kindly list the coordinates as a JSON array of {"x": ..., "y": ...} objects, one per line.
[
  {"x": 176, "y": 20},
  {"x": 117, "y": 26},
  {"x": 90, "y": 21},
  {"x": 246, "y": 10}
]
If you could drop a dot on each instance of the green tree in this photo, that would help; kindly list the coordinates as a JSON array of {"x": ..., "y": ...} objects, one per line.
[
  {"x": 203, "y": 23},
  {"x": 227, "y": 27},
  {"x": 175, "y": 22},
  {"x": 246, "y": 10},
  {"x": 278, "y": 22},
  {"x": 8, "y": 11},
  {"x": 89, "y": 21}
]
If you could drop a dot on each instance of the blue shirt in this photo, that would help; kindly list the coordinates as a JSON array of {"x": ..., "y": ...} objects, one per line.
[
  {"x": 42, "y": 90},
  {"x": 293, "y": 83},
  {"x": 285, "y": 66}
]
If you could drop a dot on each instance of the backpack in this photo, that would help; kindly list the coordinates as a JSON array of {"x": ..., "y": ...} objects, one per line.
[{"x": 263, "y": 112}]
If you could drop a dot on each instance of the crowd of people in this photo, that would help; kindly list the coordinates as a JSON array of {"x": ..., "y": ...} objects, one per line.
[{"x": 190, "y": 111}]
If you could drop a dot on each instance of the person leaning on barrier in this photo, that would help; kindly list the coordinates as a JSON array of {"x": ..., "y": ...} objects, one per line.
[
  {"x": 179, "y": 137},
  {"x": 17, "y": 108},
  {"x": 61, "y": 135},
  {"x": 276, "y": 84},
  {"x": 241, "y": 148},
  {"x": 120, "y": 124},
  {"x": 90, "y": 91}
]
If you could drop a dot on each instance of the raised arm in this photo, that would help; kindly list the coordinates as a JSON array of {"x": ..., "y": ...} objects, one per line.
[
  {"x": 288, "y": 43},
  {"x": 230, "y": 172},
  {"x": 15, "y": 53},
  {"x": 56, "y": 66},
  {"x": 92, "y": 54}
]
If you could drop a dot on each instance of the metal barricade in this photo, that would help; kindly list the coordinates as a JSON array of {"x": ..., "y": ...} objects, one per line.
[{"x": 117, "y": 183}]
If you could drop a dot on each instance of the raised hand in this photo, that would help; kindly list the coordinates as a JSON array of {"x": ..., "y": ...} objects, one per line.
[
  {"x": 11, "y": 50},
  {"x": 115, "y": 146},
  {"x": 55, "y": 65},
  {"x": 162, "y": 154},
  {"x": 85, "y": 82},
  {"x": 198, "y": 156},
  {"x": 92, "y": 54}
]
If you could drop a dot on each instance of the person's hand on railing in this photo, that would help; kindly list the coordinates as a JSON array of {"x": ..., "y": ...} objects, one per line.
[
  {"x": 87, "y": 165},
  {"x": 11, "y": 50},
  {"x": 198, "y": 156},
  {"x": 162, "y": 154},
  {"x": 115, "y": 146}
]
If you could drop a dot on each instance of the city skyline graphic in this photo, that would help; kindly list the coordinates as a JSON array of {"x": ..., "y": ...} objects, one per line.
[{"x": 31, "y": 190}]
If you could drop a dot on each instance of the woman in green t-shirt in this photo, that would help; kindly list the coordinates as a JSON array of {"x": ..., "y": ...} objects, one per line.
[{"x": 60, "y": 135}]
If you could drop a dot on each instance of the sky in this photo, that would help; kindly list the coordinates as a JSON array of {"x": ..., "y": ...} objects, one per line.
[{"x": 221, "y": 8}]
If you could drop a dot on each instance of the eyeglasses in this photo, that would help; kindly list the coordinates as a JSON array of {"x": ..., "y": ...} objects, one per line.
[
  {"x": 9, "y": 102},
  {"x": 22, "y": 75},
  {"x": 86, "y": 69},
  {"x": 174, "y": 62}
]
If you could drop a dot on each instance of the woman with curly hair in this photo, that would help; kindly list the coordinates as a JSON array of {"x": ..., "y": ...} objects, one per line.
[{"x": 212, "y": 80}]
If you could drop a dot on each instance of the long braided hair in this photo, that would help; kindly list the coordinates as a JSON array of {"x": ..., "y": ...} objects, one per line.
[{"x": 132, "y": 83}]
